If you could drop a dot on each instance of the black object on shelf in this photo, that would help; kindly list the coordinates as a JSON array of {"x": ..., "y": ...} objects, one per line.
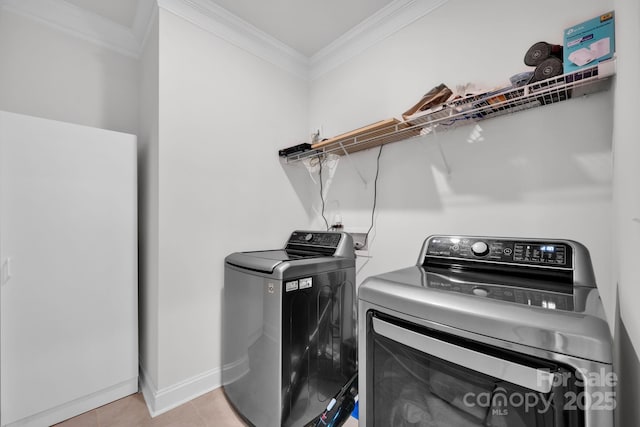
[
  {"x": 300, "y": 148},
  {"x": 550, "y": 67},
  {"x": 541, "y": 51}
]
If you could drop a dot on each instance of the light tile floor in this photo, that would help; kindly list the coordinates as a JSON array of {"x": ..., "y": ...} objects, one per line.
[{"x": 208, "y": 410}]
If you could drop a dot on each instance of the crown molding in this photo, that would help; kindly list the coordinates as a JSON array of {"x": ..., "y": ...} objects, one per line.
[
  {"x": 222, "y": 23},
  {"x": 216, "y": 20},
  {"x": 387, "y": 21},
  {"x": 146, "y": 15},
  {"x": 142, "y": 27},
  {"x": 78, "y": 22}
]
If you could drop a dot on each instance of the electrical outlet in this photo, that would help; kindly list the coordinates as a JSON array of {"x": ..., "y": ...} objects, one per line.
[
  {"x": 359, "y": 241},
  {"x": 316, "y": 134}
]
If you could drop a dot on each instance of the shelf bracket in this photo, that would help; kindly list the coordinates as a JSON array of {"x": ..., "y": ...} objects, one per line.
[
  {"x": 441, "y": 151},
  {"x": 353, "y": 165},
  {"x": 444, "y": 159}
]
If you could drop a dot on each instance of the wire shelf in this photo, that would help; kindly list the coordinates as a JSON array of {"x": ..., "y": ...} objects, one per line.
[{"x": 468, "y": 110}]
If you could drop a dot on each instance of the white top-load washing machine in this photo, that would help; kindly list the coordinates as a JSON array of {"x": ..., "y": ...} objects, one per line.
[
  {"x": 289, "y": 328},
  {"x": 486, "y": 331}
]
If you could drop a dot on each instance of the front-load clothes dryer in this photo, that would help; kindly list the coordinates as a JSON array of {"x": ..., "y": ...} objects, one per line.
[
  {"x": 486, "y": 331},
  {"x": 289, "y": 328}
]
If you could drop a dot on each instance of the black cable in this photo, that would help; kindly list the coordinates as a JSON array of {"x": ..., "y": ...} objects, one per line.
[
  {"x": 375, "y": 196},
  {"x": 340, "y": 406},
  {"x": 321, "y": 196}
]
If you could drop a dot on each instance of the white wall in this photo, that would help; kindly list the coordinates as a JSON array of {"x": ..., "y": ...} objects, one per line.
[
  {"x": 540, "y": 173},
  {"x": 51, "y": 74},
  {"x": 626, "y": 225},
  {"x": 223, "y": 114},
  {"x": 627, "y": 172},
  {"x": 148, "y": 205}
]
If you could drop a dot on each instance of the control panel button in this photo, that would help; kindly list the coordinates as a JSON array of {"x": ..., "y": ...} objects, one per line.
[
  {"x": 480, "y": 248},
  {"x": 308, "y": 237},
  {"x": 481, "y": 292}
]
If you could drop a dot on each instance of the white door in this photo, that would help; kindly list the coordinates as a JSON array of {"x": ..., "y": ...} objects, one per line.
[{"x": 69, "y": 256}]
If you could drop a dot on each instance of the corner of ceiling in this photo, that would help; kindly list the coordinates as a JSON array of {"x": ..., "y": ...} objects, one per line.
[
  {"x": 218, "y": 21},
  {"x": 73, "y": 20},
  {"x": 387, "y": 21},
  {"x": 146, "y": 15}
]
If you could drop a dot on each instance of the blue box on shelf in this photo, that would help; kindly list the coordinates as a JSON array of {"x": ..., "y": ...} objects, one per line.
[{"x": 588, "y": 43}]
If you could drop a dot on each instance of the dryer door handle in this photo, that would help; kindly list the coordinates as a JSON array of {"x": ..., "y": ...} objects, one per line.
[{"x": 533, "y": 379}]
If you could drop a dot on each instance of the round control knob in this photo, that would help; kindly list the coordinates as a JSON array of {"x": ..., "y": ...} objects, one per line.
[
  {"x": 480, "y": 248},
  {"x": 481, "y": 292},
  {"x": 308, "y": 237}
]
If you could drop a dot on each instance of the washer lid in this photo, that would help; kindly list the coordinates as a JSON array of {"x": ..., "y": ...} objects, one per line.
[
  {"x": 266, "y": 261},
  {"x": 302, "y": 245}
]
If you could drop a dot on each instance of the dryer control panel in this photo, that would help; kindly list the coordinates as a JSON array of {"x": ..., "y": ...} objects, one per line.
[
  {"x": 556, "y": 265},
  {"x": 510, "y": 251}
]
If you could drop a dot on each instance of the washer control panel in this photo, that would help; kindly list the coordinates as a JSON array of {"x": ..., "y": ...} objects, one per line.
[
  {"x": 318, "y": 239},
  {"x": 523, "y": 252}
]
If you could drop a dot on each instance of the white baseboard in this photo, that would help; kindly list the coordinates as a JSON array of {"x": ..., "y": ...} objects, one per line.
[
  {"x": 162, "y": 400},
  {"x": 236, "y": 370},
  {"x": 79, "y": 406}
]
